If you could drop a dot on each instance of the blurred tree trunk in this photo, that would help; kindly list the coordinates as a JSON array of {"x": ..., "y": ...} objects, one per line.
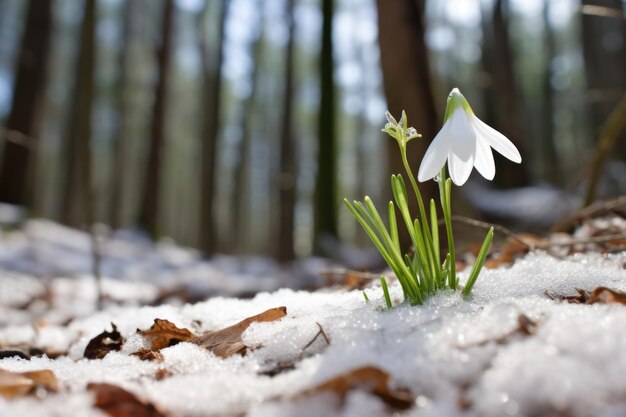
[
  {"x": 407, "y": 84},
  {"x": 504, "y": 95},
  {"x": 124, "y": 107},
  {"x": 241, "y": 195},
  {"x": 287, "y": 170},
  {"x": 149, "y": 211},
  {"x": 604, "y": 50},
  {"x": 550, "y": 161},
  {"x": 17, "y": 165},
  {"x": 325, "y": 194},
  {"x": 77, "y": 205},
  {"x": 212, "y": 74}
]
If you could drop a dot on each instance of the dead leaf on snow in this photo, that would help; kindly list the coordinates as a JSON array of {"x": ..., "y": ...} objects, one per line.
[
  {"x": 117, "y": 402},
  {"x": 512, "y": 249},
  {"x": 105, "y": 342},
  {"x": 606, "y": 295},
  {"x": 18, "y": 384},
  {"x": 164, "y": 333},
  {"x": 581, "y": 298},
  {"x": 370, "y": 379},
  {"x": 602, "y": 295},
  {"x": 227, "y": 342},
  {"x": 149, "y": 355},
  {"x": 525, "y": 327},
  {"x": 350, "y": 280}
]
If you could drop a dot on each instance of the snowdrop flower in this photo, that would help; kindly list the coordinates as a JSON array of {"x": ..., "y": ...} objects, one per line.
[{"x": 465, "y": 142}]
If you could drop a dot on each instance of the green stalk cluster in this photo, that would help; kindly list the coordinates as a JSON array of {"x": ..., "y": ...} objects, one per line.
[{"x": 422, "y": 273}]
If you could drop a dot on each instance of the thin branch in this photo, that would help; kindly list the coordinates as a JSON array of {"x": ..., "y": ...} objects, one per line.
[
  {"x": 608, "y": 137},
  {"x": 18, "y": 138},
  {"x": 603, "y": 11},
  {"x": 96, "y": 263},
  {"x": 498, "y": 227},
  {"x": 539, "y": 245},
  {"x": 320, "y": 332},
  {"x": 589, "y": 211}
]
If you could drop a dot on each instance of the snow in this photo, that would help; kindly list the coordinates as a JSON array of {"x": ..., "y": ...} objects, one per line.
[{"x": 448, "y": 351}]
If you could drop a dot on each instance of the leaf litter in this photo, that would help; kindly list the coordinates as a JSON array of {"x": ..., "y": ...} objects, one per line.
[{"x": 452, "y": 355}]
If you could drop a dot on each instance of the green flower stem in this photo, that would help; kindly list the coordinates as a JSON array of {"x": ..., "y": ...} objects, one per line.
[
  {"x": 420, "y": 202},
  {"x": 444, "y": 191},
  {"x": 431, "y": 259}
]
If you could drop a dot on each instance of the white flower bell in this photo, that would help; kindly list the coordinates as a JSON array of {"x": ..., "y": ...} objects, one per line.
[{"x": 465, "y": 142}]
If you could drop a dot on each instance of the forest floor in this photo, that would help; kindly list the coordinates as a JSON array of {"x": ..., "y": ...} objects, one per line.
[{"x": 544, "y": 333}]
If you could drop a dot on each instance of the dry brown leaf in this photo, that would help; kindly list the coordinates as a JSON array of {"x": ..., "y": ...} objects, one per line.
[
  {"x": 348, "y": 279},
  {"x": 581, "y": 298},
  {"x": 512, "y": 250},
  {"x": 105, "y": 342},
  {"x": 149, "y": 355},
  {"x": 602, "y": 295},
  {"x": 368, "y": 378},
  {"x": 18, "y": 384},
  {"x": 606, "y": 295},
  {"x": 163, "y": 334},
  {"x": 118, "y": 402},
  {"x": 227, "y": 342}
]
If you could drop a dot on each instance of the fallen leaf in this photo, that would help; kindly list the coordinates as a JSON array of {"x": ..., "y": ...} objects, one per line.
[
  {"x": 606, "y": 295},
  {"x": 117, "y": 402},
  {"x": 10, "y": 352},
  {"x": 161, "y": 374},
  {"x": 513, "y": 249},
  {"x": 602, "y": 295},
  {"x": 525, "y": 327},
  {"x": 350, "y": 280},
  {"x": 18, "y": 384},
  {"x": 105, "y": 342},
  {"x": 227, "y": 342},
  {"x": 581, "y": 298},
  {"x": 149, "y": 355},
  {"x": 163, "y": 334},
  {"x": 368, "y": 378}
]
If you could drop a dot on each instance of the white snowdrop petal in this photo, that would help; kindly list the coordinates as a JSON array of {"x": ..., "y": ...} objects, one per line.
[
  {"x": 483, "y": 160},
  {"x": 460, "y": 170},
  {"x": 496, "y": 140},
  {"x": 462, "y": 135},
  {"x": 435, "y": 156}
]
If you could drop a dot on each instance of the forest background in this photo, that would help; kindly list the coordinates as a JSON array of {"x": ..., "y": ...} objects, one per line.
[{"x": 237, "y": 126}]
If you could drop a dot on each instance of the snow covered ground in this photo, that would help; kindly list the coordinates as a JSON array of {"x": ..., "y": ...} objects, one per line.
[{"x": 508, "y": 350}]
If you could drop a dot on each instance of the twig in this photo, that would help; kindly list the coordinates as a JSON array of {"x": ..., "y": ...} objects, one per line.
[
  {"x": 320, "y": 332},
  {"x": 592, "y": 239},
  {"x": 603, "y": 11},
  {"x": 608, "y": 136},
  {"x": 589, "y": 211},
  {"x": 97, "y": 259},
  {"x": 18, "y": 138},
  {"x": 539, "y": 245},
  {"x": 498, "y": 227}
]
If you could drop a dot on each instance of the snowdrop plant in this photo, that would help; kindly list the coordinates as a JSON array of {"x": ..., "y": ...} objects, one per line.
[{"x": 464, "y": 142}]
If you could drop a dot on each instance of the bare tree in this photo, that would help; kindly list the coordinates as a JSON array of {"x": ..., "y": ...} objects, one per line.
[
  {"x": 326, "y": 198},
  {"x": 77, "y": 205},
  {"x": 124, "y": 107},
  {"x": 503, "y": 94},
  {"x": 604, "y": 50},
  {"x": 287, "y": 179},
  {"x": 16, "y": 168},
  {"x": 149, "y": 211},
  {"x": 240, "y": 202},
  {"x": 548, "y": 149},
  {"x": 212, "y": 70}
]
